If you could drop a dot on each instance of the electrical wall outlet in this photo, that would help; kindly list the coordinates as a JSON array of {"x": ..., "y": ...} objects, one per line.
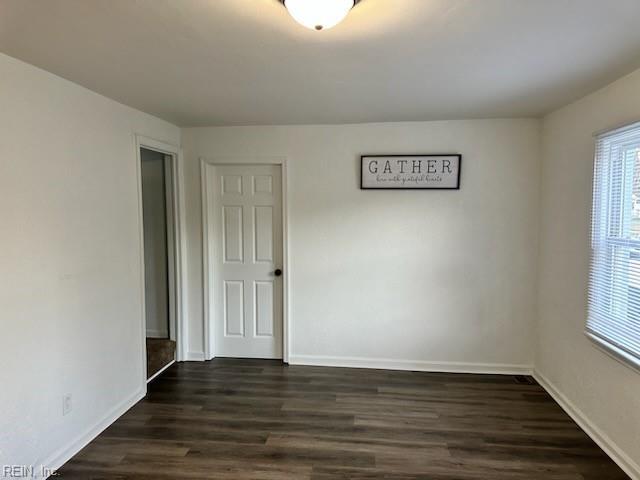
[{"x": 67, "y": 405}]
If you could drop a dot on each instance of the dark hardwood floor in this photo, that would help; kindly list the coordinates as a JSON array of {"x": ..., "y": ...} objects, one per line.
[{"x": 261, "y": 420}]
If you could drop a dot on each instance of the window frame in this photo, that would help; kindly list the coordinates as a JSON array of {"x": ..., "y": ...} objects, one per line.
[{"x": 606, "y": 209}]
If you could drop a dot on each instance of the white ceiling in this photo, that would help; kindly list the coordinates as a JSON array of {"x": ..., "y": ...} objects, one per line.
[{"x": 238, "y": 62}]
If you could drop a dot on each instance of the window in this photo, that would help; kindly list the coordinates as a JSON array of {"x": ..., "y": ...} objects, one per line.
[{"x": 614, "y": 283}]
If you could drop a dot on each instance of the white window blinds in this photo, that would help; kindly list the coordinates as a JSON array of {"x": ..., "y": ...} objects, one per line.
[{"x": 614, "y": 282}]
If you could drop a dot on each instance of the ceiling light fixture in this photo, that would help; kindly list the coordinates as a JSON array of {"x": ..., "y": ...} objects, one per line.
[{"x": 319, "y": 14}]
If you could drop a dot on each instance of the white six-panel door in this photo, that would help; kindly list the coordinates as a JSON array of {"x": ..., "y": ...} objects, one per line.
[{"x": 246, "y": 212}]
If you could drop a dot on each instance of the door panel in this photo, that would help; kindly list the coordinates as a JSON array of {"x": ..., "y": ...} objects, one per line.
[
  {"x": 232, "y": 184},
  {"x": 263, "y": 234},
  {"x": 246, "y": 242},
  {"x": 262, "y": 184},
  {"x": 264, "y": 308},
  {"x": 234, "y": 308},
  {"x": 232, "y": 234}
]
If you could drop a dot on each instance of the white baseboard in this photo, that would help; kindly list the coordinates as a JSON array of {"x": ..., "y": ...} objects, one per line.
[
  {"x": 624, "y": 461},
  {"x": 412, "y": 365},
  {"x": 65, "y": 454},
  {"x": 194, "y": 357},
  {"x": 161, "y": 370}
]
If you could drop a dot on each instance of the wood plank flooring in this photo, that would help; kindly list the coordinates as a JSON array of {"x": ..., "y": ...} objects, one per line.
[{"x": 261, "y": 420}]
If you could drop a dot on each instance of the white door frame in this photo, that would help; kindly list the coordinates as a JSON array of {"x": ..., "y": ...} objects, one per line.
[
  {"x": 179, "y": 235},
  {"x": 208, "y": 260}
]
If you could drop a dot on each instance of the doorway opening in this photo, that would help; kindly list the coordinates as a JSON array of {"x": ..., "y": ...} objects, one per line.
[{"x": 159, "y": 259}]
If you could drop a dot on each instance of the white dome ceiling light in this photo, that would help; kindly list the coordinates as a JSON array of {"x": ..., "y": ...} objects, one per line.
[{"x": 319, "y": 14}]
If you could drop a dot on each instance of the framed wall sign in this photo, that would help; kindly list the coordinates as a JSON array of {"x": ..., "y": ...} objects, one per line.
[{"x": 411, "y": 172}]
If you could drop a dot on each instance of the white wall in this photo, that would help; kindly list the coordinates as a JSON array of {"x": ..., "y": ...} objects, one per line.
[
  {"x": 419, "y": 279},
  {"x": 606, "y": 392},
  {"x": 70, "y": 288},
  {"x": 155, "y": 243}
]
